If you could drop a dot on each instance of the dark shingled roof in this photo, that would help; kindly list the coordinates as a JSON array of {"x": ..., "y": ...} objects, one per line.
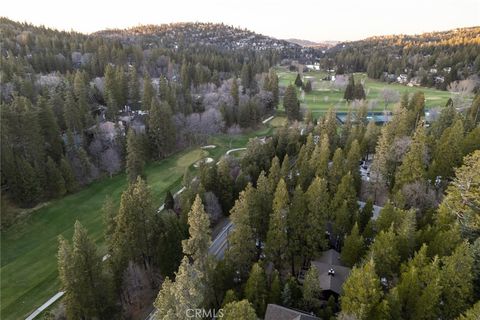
[
  {"x": 331, "y": 260},
  {"x": 276, "y": 312}
]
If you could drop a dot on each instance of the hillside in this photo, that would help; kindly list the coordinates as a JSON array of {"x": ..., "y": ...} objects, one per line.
[
  {"x": 313, "y": 44},
  {"x": 433, "y": 59},
  {"x": 186, "y": 34}
]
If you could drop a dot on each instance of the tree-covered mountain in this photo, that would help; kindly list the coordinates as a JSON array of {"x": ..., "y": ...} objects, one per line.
[
  {"x": 69, "y": 99},
  {"x": 220, "y": 36},
  {"x": 313, "y": 44},
  {"x": 430, "y": 59}
]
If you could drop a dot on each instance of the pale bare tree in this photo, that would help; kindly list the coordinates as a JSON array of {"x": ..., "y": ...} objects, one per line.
[{"x": 390, "y": 96}]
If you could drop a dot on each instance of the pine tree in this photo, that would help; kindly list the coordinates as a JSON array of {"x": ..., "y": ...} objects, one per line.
[
  {"x": 196, "y": 246},
  {"x": 71, "y": 184},
  {"x": 456, "y": 279},
  {"x": 354, "y": 247},
  {"x": 473, "y": 114},
  {"x": 349, "y": 94},
  {"x": 362, "y": 293},
  {"x": 275, "y": 292},
  {"x": 149, "y": 93},
  {"x": 224, "y": 185},
  {"x": 135, "y": 159},
  {"x": 230, "y": 296},
  {"x": 448, "y": 153},
  {"x": 50, "y": 129},
  {"x": 161, "y": 129},
  {"x": 82, "y": 277},
  {"x": 55, "y": 184},
  {"x": 242, "y": 246},
  {"x": 384, "y": 252},
  {"x": 419, "y": 287},
  {"x": 234, "y": 92},
  {"x": 311, "y": 288},
  {"x": 413, "y": 166},
  {"x": 26, "y": 187},
  {"x": 320, "y": 158},
  {"x": 133, "y": 91},
  {"x": 246, "y": 76},
  {"x": 317, "y": 199},
  {"x": 256, "y": 289},
  {"x": 81, "y": 95},
  {"x": 273, "y": 87},
  {"x": 336, "y": 171},
  {"x": 351, "y": 163},
  {"x": 365, "y": 215},
  {"x": 71, "y": 113},
  {"x": 447, "y": 117},
  {"x": 186, "y": 293},
  {"x": 277, "y": 236},
  {"x": 239, "y": 310},
  {"x": 297, "y": 228},
  {"x": 298, "y": 81},
  {"x": 308, "y": 86},
  {"x": 169, "y": 201},
  {"x": 132, "y": 239},
  {"x": 168, "y": 254},
  {"x": 291, "y": 103},
  {"x": 260, "y": 214},
  {"x": 359, "y": 92},
  {"x": 292, "y": 293},
  {"x": 285, "y": 169},
  {"x": 347, "y": 194},
  {"x": 471, "y": 314},
  {"x": 111, "y": 91},
  {"x": 370, "y": 138}
]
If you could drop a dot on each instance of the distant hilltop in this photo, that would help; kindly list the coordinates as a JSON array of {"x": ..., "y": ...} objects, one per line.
[{"x": 313, "y": 44}]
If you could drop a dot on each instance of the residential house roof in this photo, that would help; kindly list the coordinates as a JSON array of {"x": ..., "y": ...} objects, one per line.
[
  {"x": 276, "y": 312},
  {"x": 330, "y": 260}
]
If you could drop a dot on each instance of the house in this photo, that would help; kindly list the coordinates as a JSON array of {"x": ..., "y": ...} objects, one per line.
[
  {"x": 107, "y": 130},
  {"x": 439, "y": 79},
  {"x": 403, "y": 78},
  {"x": 276, "y": 312},
  {"x": 332, "y": 274}
]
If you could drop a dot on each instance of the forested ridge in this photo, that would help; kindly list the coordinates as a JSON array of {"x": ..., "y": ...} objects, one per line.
[
  {"x": 433, "y": 59},
  {"x": 397, "y": 199},
  {"x": 69, "y": 100}
]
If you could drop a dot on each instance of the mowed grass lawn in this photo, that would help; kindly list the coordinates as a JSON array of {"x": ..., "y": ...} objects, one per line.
[
  {"x": 324, "y": 96},
  {"x": 28, "y": 249}
]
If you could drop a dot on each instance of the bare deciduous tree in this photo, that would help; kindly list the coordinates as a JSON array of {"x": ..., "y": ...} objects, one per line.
[
  {"x": 390, "y": 96},
  {"x": 110, "y": 161}
]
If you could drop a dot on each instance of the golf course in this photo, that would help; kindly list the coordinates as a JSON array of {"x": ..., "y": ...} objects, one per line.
[
  {"x": 29, "y": 248},
  {"x": 325, "y": 95}
]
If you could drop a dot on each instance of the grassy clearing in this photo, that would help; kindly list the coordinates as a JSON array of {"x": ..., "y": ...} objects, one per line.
[
  {"x": 28, "y": 249},
  {"x": 29, "y": 264},
  {"x": 324, "y": 96}
]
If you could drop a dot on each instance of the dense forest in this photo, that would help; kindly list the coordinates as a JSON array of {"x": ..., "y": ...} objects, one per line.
[
  {"x": 69, "y": 100},
  {"x": 433, "y": 59},
  {"x": 76, "y": 108},
  {"x": 281, "y": 197}
]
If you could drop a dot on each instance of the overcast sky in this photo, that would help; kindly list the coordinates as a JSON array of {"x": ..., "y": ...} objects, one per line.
[{"x": 306, "y": 19}]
